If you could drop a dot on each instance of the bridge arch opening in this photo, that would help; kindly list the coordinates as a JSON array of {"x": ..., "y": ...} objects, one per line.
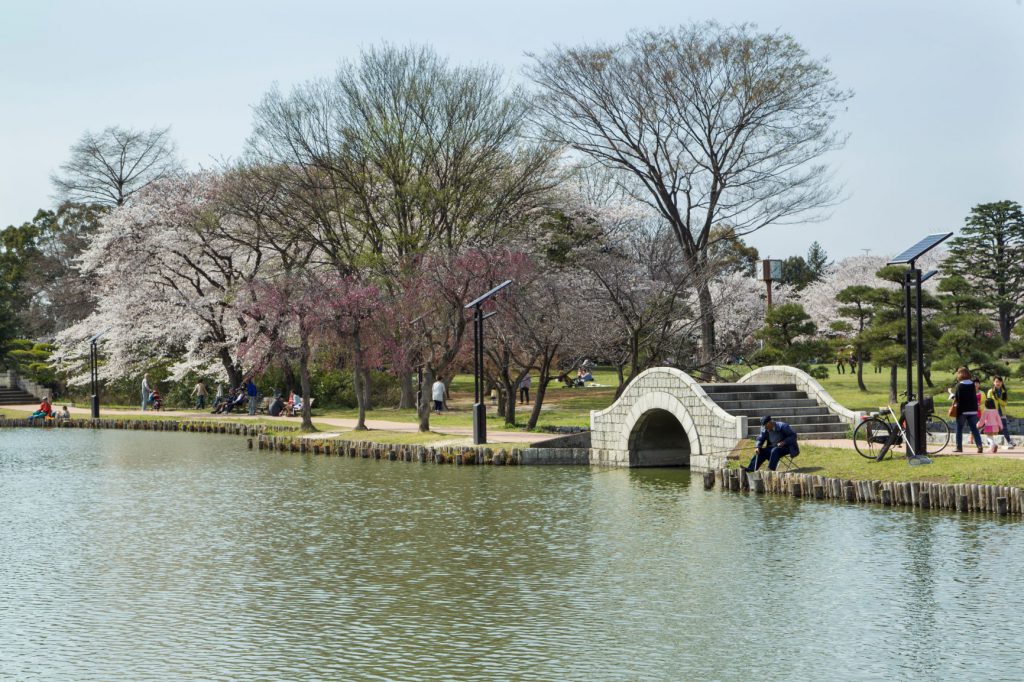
[{"x": 658, "y": 440}]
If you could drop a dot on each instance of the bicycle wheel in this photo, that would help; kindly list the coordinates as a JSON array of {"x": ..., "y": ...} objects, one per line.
[
  {"x": 869, "y": 437},
  {"x": 938, "y": 434}
]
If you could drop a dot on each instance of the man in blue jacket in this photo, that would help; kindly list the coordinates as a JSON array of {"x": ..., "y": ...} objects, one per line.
[{"x": 780, "y": 439}]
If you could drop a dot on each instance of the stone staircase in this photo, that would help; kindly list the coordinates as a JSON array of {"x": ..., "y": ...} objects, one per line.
[
  {"x": 782, "y": 401},
  {"x": 16, "y": 396}
]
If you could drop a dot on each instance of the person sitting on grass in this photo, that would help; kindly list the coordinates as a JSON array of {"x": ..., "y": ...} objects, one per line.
[
  {"x": 776, "y": 440},
  {"x": 45, "y": 411},
  {"x": 64, "y": 413}
]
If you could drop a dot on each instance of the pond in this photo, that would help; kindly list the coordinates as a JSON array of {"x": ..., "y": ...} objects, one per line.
[{"x": 132, "y": 555}]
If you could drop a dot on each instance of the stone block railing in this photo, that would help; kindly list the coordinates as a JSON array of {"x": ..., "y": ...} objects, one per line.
[{"x": 784, "y": 374}]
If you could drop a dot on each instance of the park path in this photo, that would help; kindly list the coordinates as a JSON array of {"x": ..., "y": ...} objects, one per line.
[{"x": 338, "y": 422}]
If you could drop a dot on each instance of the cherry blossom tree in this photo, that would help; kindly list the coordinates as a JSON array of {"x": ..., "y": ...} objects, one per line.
[
  {"x": 167, "y": 284},
  {"x": 306, "y": 312}
]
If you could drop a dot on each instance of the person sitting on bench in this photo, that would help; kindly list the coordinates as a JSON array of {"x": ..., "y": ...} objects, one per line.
[{"x": 777, "y": 439}]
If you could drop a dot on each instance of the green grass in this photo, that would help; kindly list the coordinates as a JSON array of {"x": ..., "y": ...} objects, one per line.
[
  {"x": 840, "y": 463},
  {"x": 843, "y": 387}
]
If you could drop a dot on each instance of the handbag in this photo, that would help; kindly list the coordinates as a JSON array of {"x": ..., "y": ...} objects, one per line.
[{"x": 952, "y": 410}]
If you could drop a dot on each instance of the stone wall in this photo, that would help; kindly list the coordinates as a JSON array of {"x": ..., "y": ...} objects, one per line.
[{"x": 711, "y": 432}]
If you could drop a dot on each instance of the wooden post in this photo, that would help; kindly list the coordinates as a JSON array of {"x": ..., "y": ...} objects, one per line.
[
  {"x": 1001, "y": 506},
  {"x": 961, "y": 503},
  {"x": 709, "y": 480}
]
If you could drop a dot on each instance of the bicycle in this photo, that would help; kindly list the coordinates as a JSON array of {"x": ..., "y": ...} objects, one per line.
[{"x": 879, "y": 432}]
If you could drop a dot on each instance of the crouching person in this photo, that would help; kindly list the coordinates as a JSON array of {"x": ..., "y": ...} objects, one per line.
[{"x": 777, "y": 439}]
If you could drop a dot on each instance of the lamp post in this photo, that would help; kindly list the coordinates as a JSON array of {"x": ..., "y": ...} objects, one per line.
[
  {"x": 914, "y": 412},
  {"x": 94, "y": 373},
  {"x": 479, "y": 399},
  {"x": 771, "y": 271}
]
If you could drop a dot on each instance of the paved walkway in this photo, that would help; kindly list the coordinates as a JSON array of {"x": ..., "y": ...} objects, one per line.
[{"x": 338, "y": 422}]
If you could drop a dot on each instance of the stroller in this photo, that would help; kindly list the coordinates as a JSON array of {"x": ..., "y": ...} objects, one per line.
[{"x": 155, "y": 401}]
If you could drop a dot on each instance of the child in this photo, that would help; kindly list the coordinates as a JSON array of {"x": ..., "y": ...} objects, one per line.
[{"x": 990, "y": 423}]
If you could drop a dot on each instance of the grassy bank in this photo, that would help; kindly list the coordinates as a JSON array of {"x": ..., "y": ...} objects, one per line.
[{"x": 840, "y": 463}]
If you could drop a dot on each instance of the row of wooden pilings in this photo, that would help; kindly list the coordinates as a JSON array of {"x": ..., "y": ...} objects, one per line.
[
  {"x": 287, "y": 443},
  {"x": 395, "y": 453},
  {"x": 962, "y": 497},
  {"x": 186, "y": 425}
]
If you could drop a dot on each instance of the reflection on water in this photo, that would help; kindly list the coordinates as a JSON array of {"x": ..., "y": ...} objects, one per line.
[{"x": 141, "y": 555}]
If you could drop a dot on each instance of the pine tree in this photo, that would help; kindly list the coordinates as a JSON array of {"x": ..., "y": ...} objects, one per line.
[
  {"x": 817, "y": 260},
  {"x": 989, "y": 253}
]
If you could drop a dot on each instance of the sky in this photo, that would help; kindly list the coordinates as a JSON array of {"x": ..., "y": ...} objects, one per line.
[{"x": 936, "y": 124}]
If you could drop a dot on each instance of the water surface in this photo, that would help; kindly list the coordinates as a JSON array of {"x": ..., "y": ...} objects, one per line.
[{"x": 131, "y": 555}]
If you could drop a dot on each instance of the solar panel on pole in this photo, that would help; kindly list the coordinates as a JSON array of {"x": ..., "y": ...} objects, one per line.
[{"x": 919, "y": 249}]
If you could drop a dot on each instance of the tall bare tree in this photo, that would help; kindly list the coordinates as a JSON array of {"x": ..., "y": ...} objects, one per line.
[
  {"x": 714, "y": 124},
  {"x": 403, "y": 156},
  {"x": 109, "y": 167}
]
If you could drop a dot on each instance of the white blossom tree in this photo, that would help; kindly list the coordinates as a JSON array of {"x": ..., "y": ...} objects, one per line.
[{"x": 167, "y": 282}]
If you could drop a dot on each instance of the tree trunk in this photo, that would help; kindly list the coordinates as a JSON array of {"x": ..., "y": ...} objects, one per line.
[
  {"x": 231, "y": 367},
  {"x": 544, "y": 377},
  {"x": 357, "y": 382},
  {"x": 426, "y": 404},
  {"x": 707, "y": 331},
  {"x": 893, "y": 382},
  {"x": 408, "y": 397},
  {"x": 510, "y": 404},
  {"x": 501, "y": 401},
  {"x": 860, "y": 373},
  {"x": 307, "y": 421},
  {"x": 289, "y": 378},
  {"x": 367, "y": 389}
]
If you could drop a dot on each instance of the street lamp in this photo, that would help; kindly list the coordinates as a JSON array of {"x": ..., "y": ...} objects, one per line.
[
  {"x": 94, "y": 372},
  {"x": 914, "y": 412},
  {"x": 479, "y": 404},
  {"x": 771, "y": 271}
]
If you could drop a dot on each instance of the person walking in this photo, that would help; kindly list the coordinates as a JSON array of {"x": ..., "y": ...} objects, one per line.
[
  {"x": 253, "y": 393},
  {"x": 146, "y": 391},
  {"x": 524, "y": 389},
  {"x": 1000, "y": 395},
  {"x": 200, "y": 393},
  {"x": 965, "y": 400},
  {"x": 990, "y": 424},
  {"x": 437, "y": 393}
]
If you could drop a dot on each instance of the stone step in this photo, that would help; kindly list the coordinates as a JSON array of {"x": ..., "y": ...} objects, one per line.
[
  {"x": 757, "y": 395},
  {"x": 15, "y": 396},
  {"x": 799, "y": 423},
  {"x": 771, "y": 406},
  {"x": 746, "y": 388},
  {"x": 757, "y": 413}
]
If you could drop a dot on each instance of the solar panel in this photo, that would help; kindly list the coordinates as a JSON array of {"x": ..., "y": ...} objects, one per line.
[{"x": 920, "y": 248}]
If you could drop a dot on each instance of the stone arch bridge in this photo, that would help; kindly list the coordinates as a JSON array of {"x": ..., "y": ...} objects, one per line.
[{"x": 666, "y": 418}]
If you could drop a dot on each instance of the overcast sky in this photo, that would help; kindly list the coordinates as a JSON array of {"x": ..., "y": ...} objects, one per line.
[{"x": 936, "y": 125}]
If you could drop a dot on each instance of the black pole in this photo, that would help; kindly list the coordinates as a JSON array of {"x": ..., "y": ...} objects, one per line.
[
  {"x": 919, "y": 339},
  {"x": 479, "y": 408},
  {"x": 909, "y": 311},
  {"x": 95, "y": 377}
]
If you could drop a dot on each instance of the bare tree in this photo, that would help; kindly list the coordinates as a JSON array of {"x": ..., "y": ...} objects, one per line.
[
  {"x": 109, "y": 167},
  {"x": 714, "y": 124}
]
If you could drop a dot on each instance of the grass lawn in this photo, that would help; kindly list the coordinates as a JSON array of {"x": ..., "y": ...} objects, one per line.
[
  {"x": 840, "y": 463},
  {"x": 843, "y": 387}
]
